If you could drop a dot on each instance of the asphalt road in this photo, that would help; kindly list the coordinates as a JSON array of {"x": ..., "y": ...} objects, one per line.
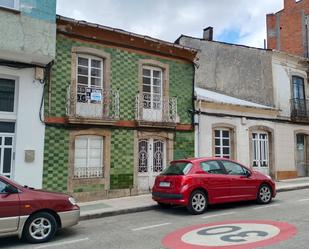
[{"x": 147, "y": 229}]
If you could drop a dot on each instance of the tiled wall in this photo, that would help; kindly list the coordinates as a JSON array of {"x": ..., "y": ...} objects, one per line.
[{"x": 124, "y": 77}]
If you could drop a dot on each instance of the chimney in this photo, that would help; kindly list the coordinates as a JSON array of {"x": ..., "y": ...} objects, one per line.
[
  {"x": 208, "y": 33},
  {"x": 289, "y": 3}
]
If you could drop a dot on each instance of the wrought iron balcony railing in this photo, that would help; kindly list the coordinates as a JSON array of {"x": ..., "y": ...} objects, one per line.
[
  {"x": 300, "y": 109},
  {"x": 156, "y": 109},
  {"x": 103, "y": 106},
  {"x": 91, "y": 172}
]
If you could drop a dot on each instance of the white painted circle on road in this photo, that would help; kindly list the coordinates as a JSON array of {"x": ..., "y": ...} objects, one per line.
[{"x": 230, "y": 234}]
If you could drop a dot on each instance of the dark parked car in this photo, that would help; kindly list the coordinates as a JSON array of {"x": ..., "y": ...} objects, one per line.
[
  {"x": 197, "y": 182},
  {"x": 34, "y": 215}
]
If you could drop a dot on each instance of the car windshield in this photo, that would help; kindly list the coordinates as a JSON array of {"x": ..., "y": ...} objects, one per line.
[{"x": 177, "y": 168}]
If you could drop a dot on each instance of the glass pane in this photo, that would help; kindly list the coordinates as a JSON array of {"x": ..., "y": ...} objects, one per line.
[
  {"x": 226, "y": 142},
  {"x": 217, "y": 151},
  {"x": 233, "y": 168},
  {"x": 157, "y": 74},
  {"x": 7, "y": 90},
  {"x": 7, "y": 3},
  {"x": 226, "y": 150},
  {"x": 0, "y": 143},
  {"x": 217, "y": 133},
  {"x": 212, "y": 167},
  {"x": 95, "y": 63},
  {"x": 7, "y": 159},
  {"x": 8, "y": 141},
  {"x": 146, "y": 88},
  {"x": 7, "y": 127},
  {"x": 80, "y": 153},
  {"x": 146, "y": 81},
  {"x": 82, "y": 80},
  {"x": 157, "y": 89},
  {"x": 146, "y": 72},
  {"x": 217, "y": 141},
  {"x": 83, "y": 71},
  {"x": 96, "y": 82},
  {"x": 80, "y": 163},
  {"x": 225, "y": 134},
  {"x": 156, "y": 82},
  {"x": 83, "y": 61},
  {"x": 95, "y": 72}
]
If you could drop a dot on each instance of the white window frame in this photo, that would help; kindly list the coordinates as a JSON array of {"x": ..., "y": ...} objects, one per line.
[
  {"x": 221, "y": 146},
  {"x": 260, "y": 150},
  {"x": 10, "y": 115},
  {"x": 90, "y": 58},
  {"x": 16, "y": 5},
  {"x": 152, "y": 94},
  {"x": 88, "y": 171}
]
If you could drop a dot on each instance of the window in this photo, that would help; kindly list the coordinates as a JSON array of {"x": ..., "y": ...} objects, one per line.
[
  {"x": 7, "y": 130},
  {"x": 7, "y": 95},
  {"x": 152, "y": 88},
  {"x": 88, "y": 157},
  {"x": 233, "y": 168},
  {"x": 212, "y": 167},
  {"x": 222, "y": 143},
  {"x": 3, "y": 185},
  {"x": 260, "y": 149},
  {"x": 11, "y": 4},
  {"x": 298, "y": 87},
  {"x": 89, "y": 79}
]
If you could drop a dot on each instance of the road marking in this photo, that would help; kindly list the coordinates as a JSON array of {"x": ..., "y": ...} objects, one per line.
[
  {"x": 303, "y": 200},
  {"x": 62, "y": 243},
  {"x": 267, "y": 206},
  {"x": 216, "y": 215},
  {"x": 149, "y": 227}
]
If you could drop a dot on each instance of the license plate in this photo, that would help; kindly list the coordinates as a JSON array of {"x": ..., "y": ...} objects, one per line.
[{"x": 165, "y": 184}]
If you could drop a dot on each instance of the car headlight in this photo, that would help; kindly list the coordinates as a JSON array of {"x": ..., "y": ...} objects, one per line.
[{"x": 72, "y": 201}]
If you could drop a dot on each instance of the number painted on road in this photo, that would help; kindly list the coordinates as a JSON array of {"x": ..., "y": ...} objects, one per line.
[{"x": 237, "y": 234}]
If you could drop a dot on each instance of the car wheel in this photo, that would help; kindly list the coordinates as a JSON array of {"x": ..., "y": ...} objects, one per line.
[
  {"x": 264, "y": 194},
  {"x": 164, "y": 205},
  {"x": 40, "y": 227},
  {"x": 197, "y": 202}
]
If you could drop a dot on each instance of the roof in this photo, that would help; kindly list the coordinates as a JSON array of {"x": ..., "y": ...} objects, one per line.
[
  {"x": 211, "y": 96},
  {"x": 103, "y": 34}
]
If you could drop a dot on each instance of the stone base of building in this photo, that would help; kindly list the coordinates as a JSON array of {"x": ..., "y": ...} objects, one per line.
[{"x": 283, "y": 175}]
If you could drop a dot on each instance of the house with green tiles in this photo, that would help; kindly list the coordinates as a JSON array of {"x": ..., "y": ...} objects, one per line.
[{"x": 117, "y": 110}]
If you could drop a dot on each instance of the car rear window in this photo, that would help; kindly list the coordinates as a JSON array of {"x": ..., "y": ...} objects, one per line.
[{"x": 177, "y": 168}]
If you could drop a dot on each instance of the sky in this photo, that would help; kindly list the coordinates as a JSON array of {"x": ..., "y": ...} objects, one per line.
[{"x": 234, "y": 21}]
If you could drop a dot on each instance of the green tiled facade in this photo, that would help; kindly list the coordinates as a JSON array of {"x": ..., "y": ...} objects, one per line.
[{"x": 124, "y": 78}]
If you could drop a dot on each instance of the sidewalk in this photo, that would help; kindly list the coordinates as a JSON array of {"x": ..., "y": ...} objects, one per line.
[{"x": 131, "y": 204}]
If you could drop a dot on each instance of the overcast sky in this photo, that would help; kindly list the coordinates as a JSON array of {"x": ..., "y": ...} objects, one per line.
[{"x": 234, "y": 21}]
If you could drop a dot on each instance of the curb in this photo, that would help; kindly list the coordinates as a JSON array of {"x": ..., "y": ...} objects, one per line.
[
  {"x": 152, "y": 207},
  {"x": 117, "y": 212},
  {"x": 285, "y": 189}
]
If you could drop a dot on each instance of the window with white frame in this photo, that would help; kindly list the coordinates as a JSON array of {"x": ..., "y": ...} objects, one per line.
[
  {"x": 7, "y": 95},
  {"x": 222, "y": 143},
  {"x": 11, "y": 4},
  {"x": 260, "y": 148},
  {"x": 88, "y": 157},
  {"x": 89, "y": 79}
]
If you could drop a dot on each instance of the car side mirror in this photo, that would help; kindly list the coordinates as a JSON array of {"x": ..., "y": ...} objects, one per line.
[
  {"x": 9, "y": 189},
  {"x": 248, "y": 173}
]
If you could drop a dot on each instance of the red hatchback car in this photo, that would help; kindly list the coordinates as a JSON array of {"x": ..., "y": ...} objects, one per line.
[
  {"x": 34, "y": 215},
  {"x": 197, "y": 182}
]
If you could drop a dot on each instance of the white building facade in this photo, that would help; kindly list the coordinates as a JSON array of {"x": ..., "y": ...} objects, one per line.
[
  {"x": 25, "y": 52},
  {"x": 271, "y": 139}
]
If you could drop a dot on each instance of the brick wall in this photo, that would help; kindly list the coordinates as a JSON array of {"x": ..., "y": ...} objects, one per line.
[{"x": 286, "y": 30}]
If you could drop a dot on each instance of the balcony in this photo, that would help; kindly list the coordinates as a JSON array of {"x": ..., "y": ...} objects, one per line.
[
  {"x": 300, "y": 109},
  {"x": 160, "y": 112},
  {"x": 103, "y": 110}
]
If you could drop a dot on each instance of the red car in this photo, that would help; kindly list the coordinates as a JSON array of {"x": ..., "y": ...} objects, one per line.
[
  {"x": 197, "y": 182},
  {"x": 34, "y": 215}
]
